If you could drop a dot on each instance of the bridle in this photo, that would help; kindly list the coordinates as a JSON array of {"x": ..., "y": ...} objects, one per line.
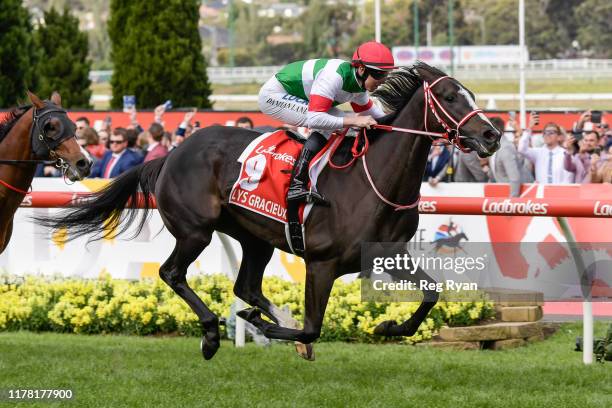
[
  {"x": 43, "y": 145},
  {"x": 451, "y": 135}
]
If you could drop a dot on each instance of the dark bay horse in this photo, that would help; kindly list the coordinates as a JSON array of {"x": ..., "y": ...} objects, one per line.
[
  {"x": 30, "y": 135},
  {"x": 192, "y": 185}
]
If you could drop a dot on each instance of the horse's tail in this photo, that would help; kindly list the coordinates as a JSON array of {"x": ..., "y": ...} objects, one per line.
[{"x": 105, "y": 213}]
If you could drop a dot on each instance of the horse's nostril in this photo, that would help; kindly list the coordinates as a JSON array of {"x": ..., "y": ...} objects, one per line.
[
  {"x": 491, "y": 135},
  {"x": 81, "y": 164}
]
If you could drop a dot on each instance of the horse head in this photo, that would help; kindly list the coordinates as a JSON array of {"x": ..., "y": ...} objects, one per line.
[
  {"x": 450, "y": 108},
  {"x": 53, "y": 137}
]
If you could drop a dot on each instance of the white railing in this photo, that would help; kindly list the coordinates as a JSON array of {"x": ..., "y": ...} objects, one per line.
[{"x": 561, "y": 69}]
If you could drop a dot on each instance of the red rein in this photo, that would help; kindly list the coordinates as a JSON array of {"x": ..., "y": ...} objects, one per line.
[{"x": 431, "y": 103}]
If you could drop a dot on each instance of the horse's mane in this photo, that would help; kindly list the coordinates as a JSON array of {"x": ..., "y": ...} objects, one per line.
[
  {"x": 401, "y": 84},
  {"x": 7, "y": 123}
]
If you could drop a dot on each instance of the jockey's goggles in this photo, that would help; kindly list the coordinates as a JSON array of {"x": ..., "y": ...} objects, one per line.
[{"x": 377, "y": 74}]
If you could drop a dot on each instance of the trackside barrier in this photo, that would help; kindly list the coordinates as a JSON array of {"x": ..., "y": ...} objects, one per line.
[{"x": 530, "y": 207}]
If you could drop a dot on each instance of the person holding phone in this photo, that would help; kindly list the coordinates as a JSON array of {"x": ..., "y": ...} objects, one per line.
[{"x": 548, "y": 160}]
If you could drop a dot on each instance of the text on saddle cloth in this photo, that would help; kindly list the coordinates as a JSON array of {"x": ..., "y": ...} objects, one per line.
[{"x": 265, "y": 173}]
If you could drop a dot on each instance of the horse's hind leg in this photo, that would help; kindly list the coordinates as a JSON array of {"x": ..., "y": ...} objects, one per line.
[
  {"x": 410, "y": 326},
  {"x": 248, "y": 286},
  {"x": 174, "y": 272},
  {"x": 255, "y": 256}
]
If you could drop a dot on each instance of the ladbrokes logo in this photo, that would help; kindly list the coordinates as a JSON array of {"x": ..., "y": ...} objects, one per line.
[
  {"x": 508, "y": 207},
  {"x": 428, "y": 206},
  {"x": 284, "y": 157},
  {"x": 602, "y": 209}
]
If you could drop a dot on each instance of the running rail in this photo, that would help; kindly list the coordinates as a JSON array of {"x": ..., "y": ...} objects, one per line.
[{"x": 530, "y": 207}]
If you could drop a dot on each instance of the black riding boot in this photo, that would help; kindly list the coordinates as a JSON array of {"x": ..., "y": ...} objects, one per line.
[{"x": 298, "y": 188}]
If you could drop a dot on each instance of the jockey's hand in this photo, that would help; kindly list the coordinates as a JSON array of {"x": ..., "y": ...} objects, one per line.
[{"x": 363, "y": 121}]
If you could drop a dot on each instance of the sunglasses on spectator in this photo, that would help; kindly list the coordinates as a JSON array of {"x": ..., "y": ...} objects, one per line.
[
  {"x": 116, "y": 141},
  {"x": 549, "y": 132}
]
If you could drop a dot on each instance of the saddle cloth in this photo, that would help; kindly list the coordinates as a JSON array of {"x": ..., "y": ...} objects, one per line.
[{"x": 265, "y": 174}]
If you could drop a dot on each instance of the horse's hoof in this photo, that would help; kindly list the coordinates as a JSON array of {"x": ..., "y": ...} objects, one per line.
[
  {"x": 383, "y": 329},
  {"x": 209, "y": 347},
  {"x": 306, "y": 351}
]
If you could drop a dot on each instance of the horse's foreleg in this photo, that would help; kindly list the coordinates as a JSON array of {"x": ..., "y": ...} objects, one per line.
[
  {"x": 320, "y": 278},
  {"x": 410, "y": 326},
  {"x": 174, "y": 272}
]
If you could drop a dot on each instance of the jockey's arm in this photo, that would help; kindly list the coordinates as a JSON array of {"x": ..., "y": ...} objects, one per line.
[
  {"x": 363, "y": 105},
  {"x": 321, "y": 100}
]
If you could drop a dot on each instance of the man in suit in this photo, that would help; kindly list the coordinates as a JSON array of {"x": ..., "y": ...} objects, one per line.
[
  {"x": 118, "y": 159},
  {"x": 505, "y": 164},
  {"x": 155, "y": 149},
  {"x": 469, "y": 169},
  {"x": 437, "y": 164}
]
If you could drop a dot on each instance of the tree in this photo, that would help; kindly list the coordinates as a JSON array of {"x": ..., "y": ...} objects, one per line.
[
  {"x": 156, "y": 53},
  {"x": 17, "y": 53},
  {"x": 63, "y": 54},
  {"x": 594, "y": 17},
  {"x": 501, "y": 21}
]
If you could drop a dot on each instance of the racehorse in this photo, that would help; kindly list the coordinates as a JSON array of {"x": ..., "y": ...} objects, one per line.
[
  {"x": 454, "y": 241},
  {"x": 30, "y": 135},
  {"x": 192, "y": 186}
]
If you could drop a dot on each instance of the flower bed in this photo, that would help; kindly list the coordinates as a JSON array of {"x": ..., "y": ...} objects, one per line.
[{"x": 151, "y": 307}]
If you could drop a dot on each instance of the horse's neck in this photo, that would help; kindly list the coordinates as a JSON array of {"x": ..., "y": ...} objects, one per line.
[
  {"x": 399, "y": 159},
  {"x": 17, "y": 146}
]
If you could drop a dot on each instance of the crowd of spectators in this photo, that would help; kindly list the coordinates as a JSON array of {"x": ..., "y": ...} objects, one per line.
[
  {"x": 553, "y": 155},
  {"x": 115, "y": 150}
]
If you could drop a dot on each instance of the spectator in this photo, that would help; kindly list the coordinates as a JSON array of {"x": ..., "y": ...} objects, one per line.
[
  {"x": 437, "y": 163},
  {"x": 132, "y": 140},
  {"x": 549, "y": 159},
  {"x": 82, "y": 123},
  {"x": 469, "y": 168},
  {"x": 504, "y": 165},
  {"x": 185, "y": 129},
  {"x": 155, "y": 148},
  {"x": 244, "y": 122},
  {"x": 578, "y": 154},
  {"x": 600, "y": 171},
  {"x": 119, "y": 159},
  {"x": 92, "y": 143},
  {"x": 103, "y": 138}
]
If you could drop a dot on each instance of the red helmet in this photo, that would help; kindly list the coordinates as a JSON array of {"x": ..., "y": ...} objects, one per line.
[{"x": 374, "y": 55}]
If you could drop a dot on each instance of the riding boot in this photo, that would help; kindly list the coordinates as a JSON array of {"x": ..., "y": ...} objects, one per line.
[{"x": 298, "y": 187}]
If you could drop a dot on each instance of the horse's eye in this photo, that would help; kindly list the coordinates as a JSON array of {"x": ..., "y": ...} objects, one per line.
[{"x": 449, "y": 98}]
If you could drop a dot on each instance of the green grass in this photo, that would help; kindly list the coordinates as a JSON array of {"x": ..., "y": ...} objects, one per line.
[{"x": 114, "y": 371}]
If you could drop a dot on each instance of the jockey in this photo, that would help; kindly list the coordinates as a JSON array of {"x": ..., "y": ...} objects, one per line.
[{"x": 305, "y": 93}]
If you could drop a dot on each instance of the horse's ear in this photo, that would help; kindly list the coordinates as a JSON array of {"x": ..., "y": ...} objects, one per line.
[
  {"x": 36, "y": 100},
  {"x": 56, "y": 98}
]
